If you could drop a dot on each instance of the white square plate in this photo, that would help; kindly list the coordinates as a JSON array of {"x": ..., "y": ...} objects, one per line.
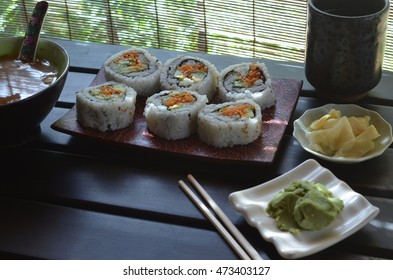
[{"x": 252, "y": 203}]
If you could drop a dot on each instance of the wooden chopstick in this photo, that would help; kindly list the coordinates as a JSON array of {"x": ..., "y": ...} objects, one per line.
[
  {"x": 227, "y": 236},
  {"x": 254, "y": 255}
]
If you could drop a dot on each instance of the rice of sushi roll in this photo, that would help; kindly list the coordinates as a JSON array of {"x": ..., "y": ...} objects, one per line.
[
  {"x": 230, "y": 123},
  {"x": 246, "y": 81},
  {"x": 172, "y": 114},
  {"x": 189, "y": 73},
  {"x": 107, "y": 106},
  {"x": 136, "y": 68}
]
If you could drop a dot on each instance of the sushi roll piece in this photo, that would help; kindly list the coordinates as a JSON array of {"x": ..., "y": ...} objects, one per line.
[
  {"x": 136, "y": 68},
  {"x": 190, "y": 73},
  {"x": 172, "y": 114},
  {"x": 246, "y": 81},
  {"x": 230, "y": 123},
  {"x": 107, "y": 106}
]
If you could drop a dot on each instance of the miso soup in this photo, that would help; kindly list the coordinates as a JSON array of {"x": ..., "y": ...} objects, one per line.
[{"x": 20, "y": 80}]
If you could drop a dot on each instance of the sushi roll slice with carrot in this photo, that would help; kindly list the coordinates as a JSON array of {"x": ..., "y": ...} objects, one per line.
[
  {"x": 136, "y": 68},
  {"x": 172, "y": 114},
  {"x": 246, "y": 81},
  {"x": 190, "y": 73},
  {"x": 230, "y": 123},
  {"x": 107, "y": 106}
]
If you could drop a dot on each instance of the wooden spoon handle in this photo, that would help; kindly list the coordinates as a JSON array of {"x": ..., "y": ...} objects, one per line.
[{"x": 29, "y": 45}]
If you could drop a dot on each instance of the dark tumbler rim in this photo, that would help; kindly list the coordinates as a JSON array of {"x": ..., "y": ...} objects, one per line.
[{"x": 386, "y": 7}]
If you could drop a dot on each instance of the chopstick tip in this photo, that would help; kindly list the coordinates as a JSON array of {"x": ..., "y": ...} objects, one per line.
[{"x": 180, "y": 182}]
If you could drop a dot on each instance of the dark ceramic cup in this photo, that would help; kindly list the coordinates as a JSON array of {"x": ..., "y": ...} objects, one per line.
[{"x": 345, "y": 47}]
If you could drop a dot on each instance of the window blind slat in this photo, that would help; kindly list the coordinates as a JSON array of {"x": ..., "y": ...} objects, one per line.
[{"x": 258, "y": 28}]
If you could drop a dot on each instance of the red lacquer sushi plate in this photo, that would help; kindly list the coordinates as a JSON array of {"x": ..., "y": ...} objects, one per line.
[{"x": 261, "y": 151}]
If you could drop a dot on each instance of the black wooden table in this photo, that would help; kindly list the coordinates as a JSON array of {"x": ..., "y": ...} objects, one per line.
[{"x": 67, "y": 197}]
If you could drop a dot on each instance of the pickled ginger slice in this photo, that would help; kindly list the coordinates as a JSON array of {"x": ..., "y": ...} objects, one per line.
[
  {"x": 328, "y": 141},
  {"x": 321, "y": 122},
  {"x": 360, "y": 145}
]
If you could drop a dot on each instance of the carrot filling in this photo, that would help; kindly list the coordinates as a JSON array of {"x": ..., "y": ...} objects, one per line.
[
  {"x": 131, "y": 57},
  {"x": 248, "y": 80},
  {"x": 129, "y": 62},
  {"x": 189, "y": 69},
  {"x": 240, "y": 110},
  {"x": 189, "y": 74},
  {"x": 108, "y": 90},
  {"x": 177, "y": 99}
]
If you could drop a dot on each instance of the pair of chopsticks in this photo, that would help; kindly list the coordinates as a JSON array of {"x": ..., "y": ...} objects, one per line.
[{"x": 230, "y": 233}]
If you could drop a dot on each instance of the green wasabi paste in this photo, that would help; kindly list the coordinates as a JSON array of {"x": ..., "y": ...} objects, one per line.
[{"x": 304, "y": 205}]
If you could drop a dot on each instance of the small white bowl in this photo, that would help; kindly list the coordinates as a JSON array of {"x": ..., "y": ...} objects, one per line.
[{"x": 302, "y": 124}]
